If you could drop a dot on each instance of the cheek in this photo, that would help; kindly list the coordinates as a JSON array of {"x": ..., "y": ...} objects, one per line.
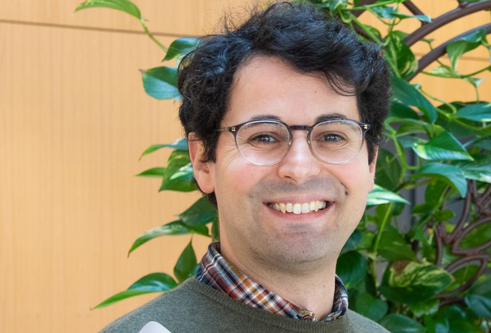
[
  {"x": 235, "y": 178},
  {"x": 355, "y": 177}
]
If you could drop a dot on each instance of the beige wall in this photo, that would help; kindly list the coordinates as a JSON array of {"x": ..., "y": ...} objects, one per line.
[{"x": 73, "y": 121}]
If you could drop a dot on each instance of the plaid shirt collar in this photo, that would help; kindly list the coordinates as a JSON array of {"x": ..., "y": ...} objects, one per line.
[{"x": 215, "y": 272}]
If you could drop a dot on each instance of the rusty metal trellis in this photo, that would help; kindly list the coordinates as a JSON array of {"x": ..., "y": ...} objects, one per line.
[{"x": 478, "y": 200}]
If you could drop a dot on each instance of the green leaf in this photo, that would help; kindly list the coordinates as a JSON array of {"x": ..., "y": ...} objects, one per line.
[
  {"x": 370, "y": 307},
  {"x": 200, "y": 213},
  {"x": 181, "y": 180},
  {"x": 434, "y": 192},
  {"x": 151, "y": 283},
  {"x": 382, "y": 11},
  {"x": 410, "y": 126},
  {"x": 422, "y": 18},
  {"x": 121, "y": 296},
  {"x": 450, "y": 173},
  {"x": 367, "y": 238},
  {"x": 425, "y": 308},
  {"x": 436, "y": 324},
  {"x": 186, "y": 263},
  {"x": 351, "y": 268},
  {"x": 388, "y": 170},
  {"x": 484, "y": 144},
  {"x": 476, "y": 82},
  {"x": 477, "y": 237},
  {"x": 161, "y": 82},
  {"x": 462, "y": 275},
  {"x": 215, "y": 230},
  {"x": 178, "y": 174},
  {"x": 445, "y": 72},
  {"x": 480, "y": 169},
  {"x": 391, "y": 13},
  {"x": 181, "y": 46},
  {"x": 179, "y": 144},
  {"x": 461, "y": 320},
  {"x": 154, "y": 282},
  {"x": 465, "y": 44},
  {"x": 480, "y": 112},
  {"x": 334, "y": 4},
  {"x": 380, "y": 196},
  {"x": 442, "y": 147},
  {"x": 407, "y": 94},
  {"x": 153, "y": 172},
  {"x": 353, "y": 241},
  {"x": 122, "y": 5},
  {"x": 174, "y": 228},
  {"x": 401, "y": 54},
  {"x": 413, "y": 282},
  {"x": 482, "y": 286},
  {"x": 444, "y": 215},
  {"x": 400, "y": 111},
  {"x": 397, "y": 323},
  {"x": 394, "y": 247}
]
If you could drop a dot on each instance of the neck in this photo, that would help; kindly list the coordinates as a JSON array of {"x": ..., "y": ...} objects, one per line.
[{"x": 309, "y": 287}]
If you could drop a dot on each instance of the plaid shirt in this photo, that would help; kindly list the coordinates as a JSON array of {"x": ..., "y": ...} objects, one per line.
[{"x": 215, "y": 272}]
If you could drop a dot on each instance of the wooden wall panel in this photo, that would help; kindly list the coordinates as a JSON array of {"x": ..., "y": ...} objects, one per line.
[
  {"x": 73, "y": 121},
  {"x": 183, "y": 17}
]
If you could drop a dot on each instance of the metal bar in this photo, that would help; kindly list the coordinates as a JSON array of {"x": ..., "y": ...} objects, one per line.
[{"x": 445, "y": 19}]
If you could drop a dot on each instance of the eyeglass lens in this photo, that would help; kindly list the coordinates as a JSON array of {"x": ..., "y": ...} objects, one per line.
[{"x": 266, "y": 143}]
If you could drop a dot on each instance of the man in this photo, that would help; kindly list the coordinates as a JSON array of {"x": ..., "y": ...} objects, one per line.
[{"x": 283, "y": 115}]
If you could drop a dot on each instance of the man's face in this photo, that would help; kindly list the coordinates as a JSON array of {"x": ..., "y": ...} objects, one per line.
[{"x": 252, "y": 232}]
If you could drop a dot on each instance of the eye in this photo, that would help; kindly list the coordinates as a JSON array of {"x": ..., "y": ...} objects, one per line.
[
  {"x": 262, "y": 139},
  {"x": 332, "y": 138}
]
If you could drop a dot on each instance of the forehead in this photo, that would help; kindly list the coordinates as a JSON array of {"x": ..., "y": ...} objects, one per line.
[{"x": 267, "y": 86}]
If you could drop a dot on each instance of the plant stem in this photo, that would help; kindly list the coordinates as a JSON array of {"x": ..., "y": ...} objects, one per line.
[
  {"x": 366, "y": 30},
  {"x": 454, "y": 110},
  {"x": 377, "y": 4},
  {"x": 152, "y": 37},
  {"x": 401, "y": 153},
  {"x": 393, "y": 21}
]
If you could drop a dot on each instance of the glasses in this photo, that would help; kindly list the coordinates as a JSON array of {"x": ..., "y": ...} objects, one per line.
[{"x": 267, "y": 142}]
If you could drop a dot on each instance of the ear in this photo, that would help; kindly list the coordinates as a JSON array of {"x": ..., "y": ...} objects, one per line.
[
  {"x": 372, "y": 167},
  {"x": 203, "y": 171}
]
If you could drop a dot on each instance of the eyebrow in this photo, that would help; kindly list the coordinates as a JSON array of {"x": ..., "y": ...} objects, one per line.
[{"x": 322, "y": 117}]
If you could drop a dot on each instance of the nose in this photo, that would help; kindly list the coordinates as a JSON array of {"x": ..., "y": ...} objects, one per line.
[{"x": 299, "y": 164}]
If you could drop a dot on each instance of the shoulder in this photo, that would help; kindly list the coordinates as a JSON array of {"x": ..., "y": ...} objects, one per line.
[
  {"x": 176, "y": 304},
  {"x": 363, "y": 324}
]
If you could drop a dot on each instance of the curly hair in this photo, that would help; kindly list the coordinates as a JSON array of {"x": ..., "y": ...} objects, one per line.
[{"x": 305, "y": 38}]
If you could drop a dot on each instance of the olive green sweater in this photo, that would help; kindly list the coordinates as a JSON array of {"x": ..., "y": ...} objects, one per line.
[{"x": 196, "y": 307}]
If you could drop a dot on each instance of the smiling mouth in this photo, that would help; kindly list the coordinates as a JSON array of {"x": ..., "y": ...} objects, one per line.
[{"x": 300, "y": 208}]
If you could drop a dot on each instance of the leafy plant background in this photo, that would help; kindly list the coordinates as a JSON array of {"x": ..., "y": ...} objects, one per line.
[{"x": 412, "y": 268}]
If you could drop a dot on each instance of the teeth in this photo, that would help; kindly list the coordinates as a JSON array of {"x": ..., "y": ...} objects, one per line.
[
  {"x": 289, "y": 208},
  {"x": 305, "y": 208},
  {"x": 299, "y": 208},
  {"x": 282, "y": 208}
]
